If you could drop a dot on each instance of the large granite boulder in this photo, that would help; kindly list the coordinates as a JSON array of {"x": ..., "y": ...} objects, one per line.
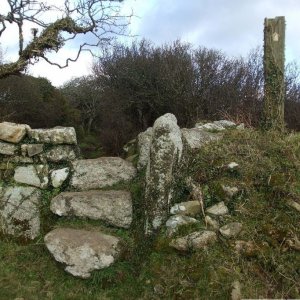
[
  {"x": 35, "y": 175},
  {"x": 19, "y": 211},
  {"x": 113, "y": 207},
  {"x": 82, "y": 251},
  {"x": 56, "y": 135},
  {"x": 165, "y": 154},
  {"x": 11, "y": 132},
  {"x": 101, "y": 172}
]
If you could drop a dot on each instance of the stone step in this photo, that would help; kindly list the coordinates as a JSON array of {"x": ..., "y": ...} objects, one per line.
[
  {"x": 82, "y": 251},
  {"x": 113, "y": 207},
  {"x": 101, "y": 172}
]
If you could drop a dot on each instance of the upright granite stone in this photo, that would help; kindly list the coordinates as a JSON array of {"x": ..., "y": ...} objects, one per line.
[
  {"x": 12, "y": 132},
  {"x": 165, "y": 153},
  {"x": 101, "y": 172},
  {"x": 113, "y": 207},
  {"x": 19, "y": 211},
  {"x": 82, "y": 251},
  {"x": 55, "y": 136}
]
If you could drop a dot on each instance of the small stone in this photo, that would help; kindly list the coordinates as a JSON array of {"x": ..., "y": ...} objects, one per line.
[
  {"x": 56, "y": 135},
  {"x": 231, "y": 230},
  {"x": 176, "y": 221},
  {"x": 32, "y": 175},
  {"x": 232, "y": 166},
  {"x": 195, "y": 240},
  {"x": 82, "y": 251},
  {"x": 189, "y": 208},
  {"x": 8, "y": 149},
  {"x": 58, "y": 177},
  {"x": 219, "y": 209},
  {"x": 230, "y": 191},
  {"x": 12, "y": 132},
  {"x": 31, "y": 149},
  {"x": 212, "y": 223}
]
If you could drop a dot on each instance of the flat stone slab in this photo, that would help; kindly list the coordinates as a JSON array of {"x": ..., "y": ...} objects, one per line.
[
  {"x": 101, "y": 172},
  {"x": 196, "y": 138},
  {"x": 56, "y": 135},
  {"x": 35, "y": 175},
  {"x": 19, "y": 211},
  {"x": 218, "y": 209},
  {"x": 113, "y": 207},
  {"x": 82, "y": 251},
  {"x": 12, "y": 132}
]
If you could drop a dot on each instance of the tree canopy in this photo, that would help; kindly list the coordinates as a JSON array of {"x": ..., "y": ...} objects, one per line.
[{"x": 54, "y": 25}]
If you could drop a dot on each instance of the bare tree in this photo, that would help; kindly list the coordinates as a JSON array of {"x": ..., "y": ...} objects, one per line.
[{"x": 52, "y": 26}]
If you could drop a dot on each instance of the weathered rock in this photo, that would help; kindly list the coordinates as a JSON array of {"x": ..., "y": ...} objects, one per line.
[
  {"x": 19, "y": 211},
  {"x": 35, "y": 175},
  {"x": 225, "y": 123},
  {"x": 165, "y": 154},
  {"x": 174, "y": 222},
  {"x": 188, "y": 208},
  {"x": 210, "y": 127},
  {"x": 218, "y": 209},
  {"x": 236, "y": 293},
  {"x": 293, "y": 204},
  {"x": 144, "y": 143},
  {"x": 81, "y": 250},
  {"x": 231, "y": 230},
  {"x": 113, "y": 207},
  {"x": 12, "y": 132},
  {"x": 18, "y": 159},
  {"x": 101, "y": 172},
  {"x": 195, "y": 240},
  {"x": 230, "y": 191},
  {"x": 58, "y": 177},
  {"x": 247, "y": 248},
  {"x": 32, "y": 149},
  {"x": 8, "y": 149},
  {"x": 196, "y": 138},
  {"x": 60, "y": 153},
  {"x": 240, "y": 126},
  {"x": 214, "y": 224},
  {"x": 56, "y": 135}
]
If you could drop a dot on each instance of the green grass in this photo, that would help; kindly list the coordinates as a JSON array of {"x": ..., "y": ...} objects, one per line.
[{"x": 268, "y": 175}]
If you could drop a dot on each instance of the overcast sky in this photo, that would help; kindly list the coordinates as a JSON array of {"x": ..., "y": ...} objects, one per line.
[{"x": 233, "y": 26}]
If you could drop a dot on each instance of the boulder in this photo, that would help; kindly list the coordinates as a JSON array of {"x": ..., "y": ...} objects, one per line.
[
  {"x": 8, "y": 149},
  {"x": 231, "y": 230},
  {"x": 196, "y": 138},
  {"x": 189, "y": 208},
  {"x": 56, "y": 135},
  {"x": 225, "y": 123},
  {"x": 32, "y": 149},
  {"x": 165, "y": 154},
  {"x": 101, "y": 172},
  {"x": 12, "y": 132},
  {"x": 194, "y": 241},
  {"x": 19, "y": 211},
  {"x": 174, "y": 222},
  {"x": 113, "y": 207},
  {"x": 82, "y": 251},
  {"x": 60, "y": 153},
  {"x": 209, "y": 127},
  {"x": 218, "y": 209},
  {"x": 59, "y": 176},
  {"x": 144, "y": 143},
  {"x": 35, "y": 175}
]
